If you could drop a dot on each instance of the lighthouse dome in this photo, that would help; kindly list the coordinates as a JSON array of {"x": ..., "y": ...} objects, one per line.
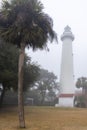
[{"x": 67, "y": 33}]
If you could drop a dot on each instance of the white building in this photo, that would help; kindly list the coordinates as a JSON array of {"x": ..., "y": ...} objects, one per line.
[{"x": 67, "y": 87}]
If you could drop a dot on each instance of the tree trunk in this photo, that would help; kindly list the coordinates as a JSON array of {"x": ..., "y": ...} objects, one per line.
[
  {"x": 2, "y": 96},
  {"x": 43, "y": 98},
  {"x": 20, "y": 86}
]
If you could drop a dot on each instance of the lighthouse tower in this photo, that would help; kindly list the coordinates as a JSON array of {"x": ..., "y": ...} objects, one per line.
[{"x": 67, "y": 86}]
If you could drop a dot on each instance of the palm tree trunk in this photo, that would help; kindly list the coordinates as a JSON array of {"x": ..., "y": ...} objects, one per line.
[{"x": 20, "y": 86}]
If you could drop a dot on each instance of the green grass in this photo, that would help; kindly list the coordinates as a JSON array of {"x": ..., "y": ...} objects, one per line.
[{"x": 45, "y": 118}]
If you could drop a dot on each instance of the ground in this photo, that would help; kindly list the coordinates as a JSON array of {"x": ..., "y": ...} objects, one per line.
[{"x": 45, "y": 118}]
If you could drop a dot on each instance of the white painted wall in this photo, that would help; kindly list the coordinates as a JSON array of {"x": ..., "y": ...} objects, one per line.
[
  {"x": 66, "y": 102},
  {"x": 67, "y": 77}
]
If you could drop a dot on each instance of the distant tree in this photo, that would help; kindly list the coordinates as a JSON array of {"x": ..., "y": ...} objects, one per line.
[
  {"x": 9, "y": 69},
  {"x": 31, "y": 74},
  {"x": 35, "y": 95},
  {"x": 23, "y": 22},
  {"x": 51, "y": 95},
  {"x": 80, "y": 101},
  {"x": 46, "y": 85},
  {"x": 82, "y": 83}
]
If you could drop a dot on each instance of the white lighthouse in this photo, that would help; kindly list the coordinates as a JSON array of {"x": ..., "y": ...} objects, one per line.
[{"x": 67, "y": 86}]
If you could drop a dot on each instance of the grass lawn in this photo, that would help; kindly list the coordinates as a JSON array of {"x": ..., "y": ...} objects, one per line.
[{"x": 45, "y": 118}]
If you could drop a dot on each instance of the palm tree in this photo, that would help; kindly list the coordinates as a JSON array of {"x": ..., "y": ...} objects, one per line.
[
  {"x": 82, "y": 83},
  {"x": 23, "y": 22}
]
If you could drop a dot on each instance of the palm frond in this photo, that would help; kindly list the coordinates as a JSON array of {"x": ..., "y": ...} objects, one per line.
[{"x": 25, "y": 21}]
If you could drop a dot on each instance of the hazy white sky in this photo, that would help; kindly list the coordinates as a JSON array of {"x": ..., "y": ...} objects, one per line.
[{"x": 74, "y": 14}]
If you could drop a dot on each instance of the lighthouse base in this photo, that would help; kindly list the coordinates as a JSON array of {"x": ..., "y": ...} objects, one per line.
[{"x": 66, "y": 100}]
